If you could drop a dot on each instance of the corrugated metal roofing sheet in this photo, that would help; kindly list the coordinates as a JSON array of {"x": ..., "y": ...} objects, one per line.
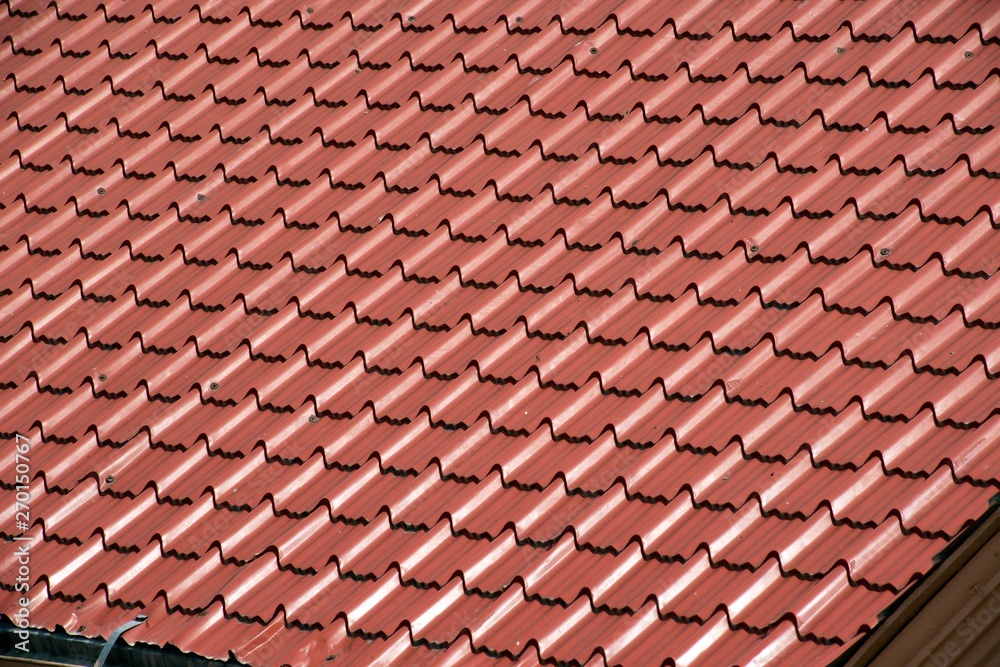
[{"x": 590, "y": 332}]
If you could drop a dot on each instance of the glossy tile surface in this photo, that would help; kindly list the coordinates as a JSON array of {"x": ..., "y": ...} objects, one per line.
[{"x": 579, "y": 332}]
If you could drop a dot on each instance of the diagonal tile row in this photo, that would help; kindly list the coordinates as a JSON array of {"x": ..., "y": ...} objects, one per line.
[
  {"x": 236, "y": 602},
  {"x": 900, "y": 59},
  {"x": 148, "y": 79},
  {"x": 911, "y": 242},
  {"x": 546, "y": 572},
  {"x": 727, "y": 332},
  {"x": 745, "y": 143},
  {"x": 778, "y": 434},
  {"x": 534, "y": 557},
  {"x": 416, "y": 640},
  {"x": 632, "y": 182},
  {"x": 497, "y": 370},
  {"x": 699, "y": 186},
  {"x": 182, "y": 530},
  {"x": 871, "y": 22},
  {"x": 279, "y": 642},
  {"x": 321, "y": 281},
  {"x": 718, "y": 480}
]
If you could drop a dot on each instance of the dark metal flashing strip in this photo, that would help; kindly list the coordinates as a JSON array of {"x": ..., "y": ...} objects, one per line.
[
  {"x": 13, "y": 661},
  {"x": 954, "y": 558},
  {"x": 61, "y": 648}
]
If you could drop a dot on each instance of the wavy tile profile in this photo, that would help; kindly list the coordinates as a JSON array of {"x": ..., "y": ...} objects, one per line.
[{"x": 577, "y": 332}]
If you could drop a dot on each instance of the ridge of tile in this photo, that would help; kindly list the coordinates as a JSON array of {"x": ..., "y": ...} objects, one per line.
[
  {"x": 879, "y": 391},
  {"x": 533, "y": 591},
  {"x": 847, "y": 509},
  {"x": 724, "y": 330},
  {"x": 747, "y": 558}
]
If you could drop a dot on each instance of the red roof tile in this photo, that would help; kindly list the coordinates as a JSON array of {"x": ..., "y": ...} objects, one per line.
[{"x": 592, "y": 332}]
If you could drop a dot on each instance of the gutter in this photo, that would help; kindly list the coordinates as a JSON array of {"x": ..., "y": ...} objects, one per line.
[{"x": 61, "y": 649}]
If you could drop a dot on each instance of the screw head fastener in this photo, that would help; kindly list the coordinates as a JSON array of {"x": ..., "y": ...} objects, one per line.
[
  {"x": 884, "y": 252},
  {"x": 841, "y": 50},
  {"x": 969, "y": 54}
]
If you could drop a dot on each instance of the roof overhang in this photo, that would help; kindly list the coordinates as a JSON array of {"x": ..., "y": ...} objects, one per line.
[
  {"x": 59, "y": 648},
  {"x": 952, "y": 616}
]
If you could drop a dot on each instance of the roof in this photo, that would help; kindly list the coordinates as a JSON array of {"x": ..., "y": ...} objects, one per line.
[{"x": 476, "y": 332}]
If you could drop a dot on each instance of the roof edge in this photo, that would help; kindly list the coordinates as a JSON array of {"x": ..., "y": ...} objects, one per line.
[
  {"x": 954, "y": 558},
  {"x": 58, "y": 647}
]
